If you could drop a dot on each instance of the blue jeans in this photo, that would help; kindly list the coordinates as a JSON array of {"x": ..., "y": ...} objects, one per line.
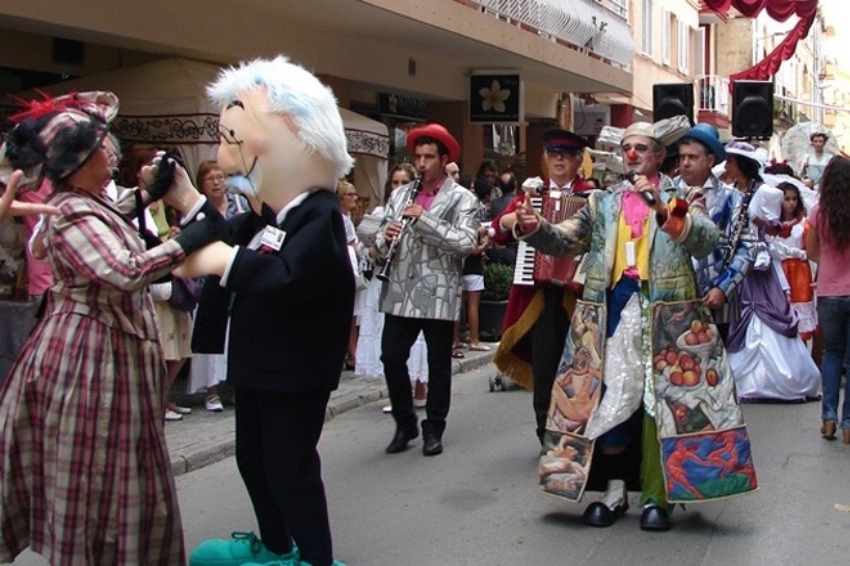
[{"x": 834, "y": 318}]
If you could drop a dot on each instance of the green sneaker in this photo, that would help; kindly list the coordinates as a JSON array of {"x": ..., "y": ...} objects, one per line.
[
  {"x": 242, "y": 548},
  {"x": 288, "y": 563}
]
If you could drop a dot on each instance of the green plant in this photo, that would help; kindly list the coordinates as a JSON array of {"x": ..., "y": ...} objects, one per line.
[{"x": 498, "y": 278}]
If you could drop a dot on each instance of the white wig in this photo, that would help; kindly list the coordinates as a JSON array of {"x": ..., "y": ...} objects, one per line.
[{"x": 295, "y": 91}]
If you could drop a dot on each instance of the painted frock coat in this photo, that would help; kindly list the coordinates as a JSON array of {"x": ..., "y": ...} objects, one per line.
[{"x": 701, "y": 438}]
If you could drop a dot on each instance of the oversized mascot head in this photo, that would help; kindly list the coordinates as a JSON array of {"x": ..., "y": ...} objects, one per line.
[{"x": 281, "y": 131}]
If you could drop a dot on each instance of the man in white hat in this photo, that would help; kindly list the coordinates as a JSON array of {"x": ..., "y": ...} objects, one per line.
[
  {"x": 640, "y": 301},
  {"x": 720, "y": 272}
]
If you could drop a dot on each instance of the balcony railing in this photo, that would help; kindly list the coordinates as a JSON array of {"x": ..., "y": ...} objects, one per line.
[
  {"x": 713, "y": 94},
  {"x": 591, "y": 26}
]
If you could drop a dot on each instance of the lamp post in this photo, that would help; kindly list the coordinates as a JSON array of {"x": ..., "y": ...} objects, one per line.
[{"x": 817, "y": 70}]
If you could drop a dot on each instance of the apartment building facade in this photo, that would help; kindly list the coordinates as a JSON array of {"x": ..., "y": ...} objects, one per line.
[{"x": 579, "y": 63}]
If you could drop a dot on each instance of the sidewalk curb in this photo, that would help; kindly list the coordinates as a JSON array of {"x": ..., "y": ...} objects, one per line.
[{"x": 201, "y": 454}]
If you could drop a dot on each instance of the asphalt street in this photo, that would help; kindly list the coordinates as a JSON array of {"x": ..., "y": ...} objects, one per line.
[{"x": 477, "y": 504}]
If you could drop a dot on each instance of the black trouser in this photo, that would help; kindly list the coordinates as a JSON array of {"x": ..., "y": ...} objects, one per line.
[
  {"x": 276, "y": 438},
  {"x": 548, "y": 336},
  {"x": 398, "y": 337}
]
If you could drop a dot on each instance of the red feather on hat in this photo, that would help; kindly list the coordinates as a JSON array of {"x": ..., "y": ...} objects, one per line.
[{"x": 35, "y": 109}]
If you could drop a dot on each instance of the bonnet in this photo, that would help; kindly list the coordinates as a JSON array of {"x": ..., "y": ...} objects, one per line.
[{"x": 55, "y": 137}]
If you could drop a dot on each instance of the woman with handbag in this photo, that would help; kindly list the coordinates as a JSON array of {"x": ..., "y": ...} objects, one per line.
[
  {"x": 769, "y": 360},
  {"x": 175, "y": 325},
  {"x": 208, "y": 370},
  {"x": 372, "y": 320}
]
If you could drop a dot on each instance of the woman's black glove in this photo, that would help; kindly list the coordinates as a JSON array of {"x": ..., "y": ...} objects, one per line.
[
  {"x": 203, "y": 231},
  {"x": 164, "y": 174}
]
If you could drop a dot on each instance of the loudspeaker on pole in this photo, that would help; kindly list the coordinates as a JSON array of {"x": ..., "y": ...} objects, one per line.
[
  {"x": 752, "y": 109},
  {"x": 673, "y": 99}
]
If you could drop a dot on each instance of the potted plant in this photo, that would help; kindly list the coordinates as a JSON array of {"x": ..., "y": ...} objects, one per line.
[{"x": 498, "y": 279}]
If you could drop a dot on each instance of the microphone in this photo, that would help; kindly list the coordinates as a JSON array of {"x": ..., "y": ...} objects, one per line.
[{"x": 631, "y": 177}]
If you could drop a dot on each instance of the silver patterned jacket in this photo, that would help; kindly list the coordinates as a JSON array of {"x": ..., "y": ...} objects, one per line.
[{"x": 425, "y": 274}]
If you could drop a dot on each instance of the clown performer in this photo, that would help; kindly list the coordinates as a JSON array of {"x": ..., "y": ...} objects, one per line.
[
  {"x": 281, "y": 284},
  {"x": 666, "y": 384},
  {"x": 84, "y": 468}
]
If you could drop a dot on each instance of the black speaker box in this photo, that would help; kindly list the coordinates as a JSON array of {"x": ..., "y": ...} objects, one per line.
[
  {"x": 673, "y": 99},
  {"x": 752, "y": 109}
]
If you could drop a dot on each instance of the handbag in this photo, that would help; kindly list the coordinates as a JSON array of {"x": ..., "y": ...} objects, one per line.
[
  {"x": 184, "y": 294},
  {"x": 150, "y": 239},
  {"x": 762, "y": 262},
  {"x": 359, "y": 281}
]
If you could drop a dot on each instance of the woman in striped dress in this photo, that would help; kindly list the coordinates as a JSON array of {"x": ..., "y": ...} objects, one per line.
[{"x": 85, "y": 476}]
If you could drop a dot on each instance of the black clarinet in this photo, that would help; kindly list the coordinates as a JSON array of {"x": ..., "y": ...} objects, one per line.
[
  {"x": 743, "y": 221},
  {"x": 384, "y": 274}
]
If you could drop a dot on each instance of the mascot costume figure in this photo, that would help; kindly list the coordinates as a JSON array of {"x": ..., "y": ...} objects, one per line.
[{"x": 281, "y": 281}]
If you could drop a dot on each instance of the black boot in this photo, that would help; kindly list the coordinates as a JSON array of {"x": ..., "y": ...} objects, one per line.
[
  {"x": 404, "y": 433},
  {"x": 432, "y": 437}
]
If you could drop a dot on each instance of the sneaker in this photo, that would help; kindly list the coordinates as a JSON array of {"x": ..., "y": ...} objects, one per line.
[
  {"x": 420, "y": 403},
  {"x": 213, "y": 404},
  {"x": 180, "y": 410},
  {"x": 289, "y": 563},
  {"x": 242, "y": 548},
  {"x": 171, "y": 416}
]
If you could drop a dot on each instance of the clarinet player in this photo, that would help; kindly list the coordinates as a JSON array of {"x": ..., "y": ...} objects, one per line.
[{"x": 434, "y": 226}]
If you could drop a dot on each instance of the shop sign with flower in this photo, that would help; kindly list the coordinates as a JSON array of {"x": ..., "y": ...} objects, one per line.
[{"x": 495, "y": 98}]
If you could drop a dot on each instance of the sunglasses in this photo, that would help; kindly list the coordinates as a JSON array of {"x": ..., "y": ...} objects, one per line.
[{"x": 563, "y": 153}]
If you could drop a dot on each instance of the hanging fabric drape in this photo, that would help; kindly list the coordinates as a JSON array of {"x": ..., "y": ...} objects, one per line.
[{"x": 779, "y": 10}]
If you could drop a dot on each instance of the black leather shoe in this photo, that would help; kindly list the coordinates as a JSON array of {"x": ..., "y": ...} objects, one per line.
[
  {"x": 598, "y": 514},
  {"x": 400, "y": 440},
  {"x": 655, "y": 518},
  {"x": 432, "y": 445},
  {"x": 432, "y": 437}
]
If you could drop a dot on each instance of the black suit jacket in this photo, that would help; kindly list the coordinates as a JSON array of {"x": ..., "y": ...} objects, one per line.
[{"x": 290, "y": 310}]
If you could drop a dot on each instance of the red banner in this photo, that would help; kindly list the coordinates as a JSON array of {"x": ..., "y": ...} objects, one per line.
[{"x": 779, "y": 10}]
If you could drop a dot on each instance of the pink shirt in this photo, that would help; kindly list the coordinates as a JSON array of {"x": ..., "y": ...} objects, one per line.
[
  {"x": 39, "y": 274},
  {"x": 425, "y": 200},
  {"x": 635, "y": 212},
  {"x": 833, "y": 276}
]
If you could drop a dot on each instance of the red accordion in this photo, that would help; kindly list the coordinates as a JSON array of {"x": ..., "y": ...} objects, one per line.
[{"x": 534, "y": 267}]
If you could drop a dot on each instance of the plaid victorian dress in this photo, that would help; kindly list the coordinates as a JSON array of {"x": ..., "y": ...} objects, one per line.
[{"x": 85, "y": 476}]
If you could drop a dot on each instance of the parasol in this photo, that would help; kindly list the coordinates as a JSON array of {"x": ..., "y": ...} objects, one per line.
[{"x": 796, "y": 143}]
